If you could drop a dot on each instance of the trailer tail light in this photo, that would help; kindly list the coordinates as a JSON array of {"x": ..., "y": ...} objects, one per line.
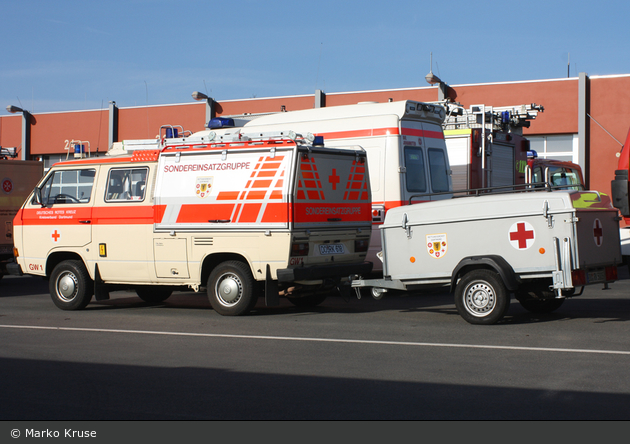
[
  {"x": 299, "y": 249},
  {"x": 611, "y": 273},
  {"x": 578, "y": 277},
  {"x": 361, "y": 245}
]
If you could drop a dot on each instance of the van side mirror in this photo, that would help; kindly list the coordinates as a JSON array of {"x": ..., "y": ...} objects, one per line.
[{"x": 37, "y": 196}]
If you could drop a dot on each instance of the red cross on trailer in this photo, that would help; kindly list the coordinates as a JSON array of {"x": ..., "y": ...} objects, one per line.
[
  {"x": 598, "y": 232},
  {"x": 55, "y": 236},
  {"x": 522, "y": 235}
]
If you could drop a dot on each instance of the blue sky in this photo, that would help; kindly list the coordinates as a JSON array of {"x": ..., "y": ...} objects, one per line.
[{"x": 73, "y": 55}]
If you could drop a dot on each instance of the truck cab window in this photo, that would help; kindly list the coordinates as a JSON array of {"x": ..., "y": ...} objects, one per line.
[
  {"x": 415, "y": 171},
  {"x": 68, "y": 187},
  {"x": 126, "y": 184}
]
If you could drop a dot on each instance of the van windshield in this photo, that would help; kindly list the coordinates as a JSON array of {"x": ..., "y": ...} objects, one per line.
[{"x": 68, "y": 187}]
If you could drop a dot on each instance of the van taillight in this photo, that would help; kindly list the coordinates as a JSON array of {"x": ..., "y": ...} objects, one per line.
[
  {"x": 299, "y": 249},
  {"x": 361, "y": 245}
]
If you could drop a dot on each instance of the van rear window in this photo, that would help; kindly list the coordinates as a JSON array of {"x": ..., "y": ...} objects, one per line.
[
  {"x": 416, "y": 180},
  {"x": 438, "y": 169}
]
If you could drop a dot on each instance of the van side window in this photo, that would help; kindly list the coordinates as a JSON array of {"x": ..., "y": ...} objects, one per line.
[
  {"x": 415, "y": 172},
  {"x": 126, "y": 184},
  {"x": 68, "y": 187}
]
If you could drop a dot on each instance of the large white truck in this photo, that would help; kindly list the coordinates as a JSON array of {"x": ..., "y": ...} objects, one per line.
[
  {"x": 270, "y": 214},
  {"x": 17, "y": 180},
  {"x": 404, "y": 142},
  {"x": 540, "y": 246}
]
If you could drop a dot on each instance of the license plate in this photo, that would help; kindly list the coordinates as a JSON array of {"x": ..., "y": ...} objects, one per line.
[
  {"x": 331, "y": 249},
  {"x": 595, "y": 276}
]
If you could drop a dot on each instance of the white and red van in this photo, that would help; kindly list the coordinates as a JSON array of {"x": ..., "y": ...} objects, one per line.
[{"x": 270, "y": 214}]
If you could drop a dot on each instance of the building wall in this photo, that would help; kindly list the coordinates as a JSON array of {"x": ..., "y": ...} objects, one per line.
[{"x": 608, "y": 98}]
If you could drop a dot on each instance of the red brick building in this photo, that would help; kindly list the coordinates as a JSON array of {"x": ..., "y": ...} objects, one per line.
[{"x": 585, "y": 119}]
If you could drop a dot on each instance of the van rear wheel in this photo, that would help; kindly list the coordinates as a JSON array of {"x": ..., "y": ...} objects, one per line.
[
  {"x": 232, "y": 290},
  {"x": 539, "y": 301},
  {"x": 70, "y": 285}
]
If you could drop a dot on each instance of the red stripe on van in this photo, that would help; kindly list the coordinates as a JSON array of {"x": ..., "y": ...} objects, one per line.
[{"x": 422, "y": 133}]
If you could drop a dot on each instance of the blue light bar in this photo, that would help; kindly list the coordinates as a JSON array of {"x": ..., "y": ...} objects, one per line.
[
  {"x": 531, "y": 154},
  {"x": 220, "y": 122},
  {"x": 319, "y": 140}
]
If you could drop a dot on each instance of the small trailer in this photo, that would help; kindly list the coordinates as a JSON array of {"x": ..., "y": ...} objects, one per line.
[{"x": 539, "y": 246}]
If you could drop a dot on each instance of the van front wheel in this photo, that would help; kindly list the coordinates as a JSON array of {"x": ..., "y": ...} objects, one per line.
[
  {"x": 232, "y": 290},
  {"x": 70, "y": 285}
]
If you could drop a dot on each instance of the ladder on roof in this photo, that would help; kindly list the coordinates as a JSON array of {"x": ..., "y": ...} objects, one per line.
[{"x": 491, "y": 118}]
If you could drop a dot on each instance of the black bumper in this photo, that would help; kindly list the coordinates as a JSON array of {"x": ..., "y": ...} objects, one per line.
[{"x": 332, "y": 271}]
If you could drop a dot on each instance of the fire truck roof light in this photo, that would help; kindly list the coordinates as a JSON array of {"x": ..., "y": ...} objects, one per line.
[
  {"x": 532, "y": 154},
  {"x": 318, "y": 140}
]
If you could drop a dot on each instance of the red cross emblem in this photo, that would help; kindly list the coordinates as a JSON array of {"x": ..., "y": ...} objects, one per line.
[
  {"x": 7, "y": 186},
  {"x": 55, "y": 236},
  {"x": 522, "y": 235},
  {"x": 334, "y": 179},
  {"x": 598, "y": 232}
]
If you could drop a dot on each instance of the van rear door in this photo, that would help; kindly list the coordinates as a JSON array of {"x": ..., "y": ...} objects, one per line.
[
  {"x": 332, "y": 189},
  {"x": 424, "y": 161}
]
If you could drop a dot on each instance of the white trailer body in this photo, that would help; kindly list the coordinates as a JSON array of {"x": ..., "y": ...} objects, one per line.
[{"x": 538, "y": 245}]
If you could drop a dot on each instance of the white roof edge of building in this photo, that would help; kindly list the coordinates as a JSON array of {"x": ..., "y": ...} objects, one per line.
[{"x": 593, "y": 77}]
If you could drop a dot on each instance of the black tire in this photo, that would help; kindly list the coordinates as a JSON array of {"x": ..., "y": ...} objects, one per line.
[
  {"x": 481, "y": 297},
  {"x": 312, "y": 300},
  {"x": 232, "y": 290},
  {"x": 154, "y": 294},
  {"x": 537, "y": 300},
  {"x": 541, "y": 305},
  {"x": 70, "y": 285}
]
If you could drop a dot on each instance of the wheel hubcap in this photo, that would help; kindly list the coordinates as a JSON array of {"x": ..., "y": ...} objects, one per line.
[
  {"x": 229, "y": 289},
  {"x": 480, "y": 299},
  {"x": 66, "y": 287}
]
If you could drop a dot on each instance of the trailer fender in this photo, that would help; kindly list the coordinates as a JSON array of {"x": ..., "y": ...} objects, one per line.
[{"x": 493, "y": 262}]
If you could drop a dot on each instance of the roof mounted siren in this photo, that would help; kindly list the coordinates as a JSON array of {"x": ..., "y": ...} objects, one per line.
[{"x": 220, "y": 122}]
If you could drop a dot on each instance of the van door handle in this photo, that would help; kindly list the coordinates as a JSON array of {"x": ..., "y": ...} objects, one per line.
[
  {"x": 220, "y": 221},
  {"x": 85, "y": 221}
]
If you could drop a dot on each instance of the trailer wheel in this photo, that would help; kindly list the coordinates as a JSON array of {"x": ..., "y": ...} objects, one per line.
[
  {"x": 70, "y": 285},
  {"x": 481, "y": 297},
  {"x": 153, "y": 294},
  {"x": 312, "y": 300},
  {"x": 232, "y": 290}
]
